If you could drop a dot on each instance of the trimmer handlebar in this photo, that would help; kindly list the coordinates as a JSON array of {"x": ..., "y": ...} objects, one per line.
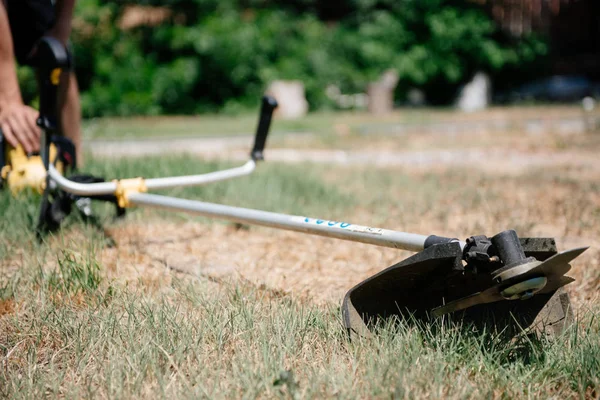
[{"x": 123, "y": 187}]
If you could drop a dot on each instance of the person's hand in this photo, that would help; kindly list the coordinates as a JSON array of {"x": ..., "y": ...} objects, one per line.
[{"x": 18, "y": 124}]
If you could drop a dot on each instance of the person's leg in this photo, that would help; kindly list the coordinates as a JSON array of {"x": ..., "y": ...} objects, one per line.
[{"x": 70, "y": 113}]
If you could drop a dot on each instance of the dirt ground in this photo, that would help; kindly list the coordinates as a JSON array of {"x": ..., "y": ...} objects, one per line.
[{"x": 322, "y": 270}]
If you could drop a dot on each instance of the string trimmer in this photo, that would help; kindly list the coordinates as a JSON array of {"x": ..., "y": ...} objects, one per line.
[{"x": 503, "y": 280}]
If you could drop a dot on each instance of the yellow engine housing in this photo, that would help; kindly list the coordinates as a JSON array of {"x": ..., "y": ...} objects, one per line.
[{"x": 23, "y": 172}]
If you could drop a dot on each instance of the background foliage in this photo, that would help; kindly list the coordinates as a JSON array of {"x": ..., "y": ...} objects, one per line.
[{"x": 209, "y": 55}]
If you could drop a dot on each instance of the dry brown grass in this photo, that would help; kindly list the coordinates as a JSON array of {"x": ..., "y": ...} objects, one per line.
[{"x": 543, "y": 186}]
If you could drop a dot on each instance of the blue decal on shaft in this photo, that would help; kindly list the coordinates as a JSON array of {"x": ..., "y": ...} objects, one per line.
[{"x": 342, "y": 225}]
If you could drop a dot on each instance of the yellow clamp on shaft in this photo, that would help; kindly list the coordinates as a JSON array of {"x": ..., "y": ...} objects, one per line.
[{"x": 127, "y": 186}]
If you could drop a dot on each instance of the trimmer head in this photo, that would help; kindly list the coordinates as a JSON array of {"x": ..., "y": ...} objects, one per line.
[{"x": 479, "y": 283}]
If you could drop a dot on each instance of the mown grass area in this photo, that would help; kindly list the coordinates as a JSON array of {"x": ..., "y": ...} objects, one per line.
[{"x": 68, "y": 328}]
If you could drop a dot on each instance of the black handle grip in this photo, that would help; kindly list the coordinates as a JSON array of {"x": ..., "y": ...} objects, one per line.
[
  {"x": 51, "y": 59},
  {"x": 269, "y": 104},
  {"x": 65, "y": 151}
]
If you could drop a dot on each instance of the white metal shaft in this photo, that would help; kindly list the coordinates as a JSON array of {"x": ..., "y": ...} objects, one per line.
[
  {"x": 81, "y": 189},
  {"x": 103, "y": 188},
  {"x": 196, "y": 180},
  {"x": 335, "y": 229}
]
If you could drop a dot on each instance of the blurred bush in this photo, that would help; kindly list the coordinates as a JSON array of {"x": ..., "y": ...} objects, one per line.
[{"x": 206, "y": 55}]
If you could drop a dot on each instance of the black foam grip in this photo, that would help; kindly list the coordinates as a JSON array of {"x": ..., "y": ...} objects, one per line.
[{"x": 269, "y": 104}]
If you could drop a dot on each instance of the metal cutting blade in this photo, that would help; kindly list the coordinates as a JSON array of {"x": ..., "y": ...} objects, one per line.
[{"x": 554, "y": 269}]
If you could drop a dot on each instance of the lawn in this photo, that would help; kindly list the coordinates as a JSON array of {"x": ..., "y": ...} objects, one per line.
[{"x": 170, "y": 305}]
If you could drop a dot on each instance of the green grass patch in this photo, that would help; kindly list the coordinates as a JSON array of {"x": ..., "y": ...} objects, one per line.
[
  {"x": 295, "y": 189},
  {"x": 292, "y": 189},
  {"x": 389, "y": 197}
]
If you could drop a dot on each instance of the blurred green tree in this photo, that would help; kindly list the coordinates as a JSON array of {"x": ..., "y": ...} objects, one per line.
[{"x": 189, "y": 56}]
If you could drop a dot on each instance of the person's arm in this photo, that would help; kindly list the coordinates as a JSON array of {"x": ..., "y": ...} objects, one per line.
[
  {"x": 62, "y": 26},
  {"x": 8, "y": 73},
  {"x": 17, "y": 120}
]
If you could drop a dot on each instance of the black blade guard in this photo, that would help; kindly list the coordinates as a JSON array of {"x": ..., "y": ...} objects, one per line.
[{"x": 435, "y": 276}]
